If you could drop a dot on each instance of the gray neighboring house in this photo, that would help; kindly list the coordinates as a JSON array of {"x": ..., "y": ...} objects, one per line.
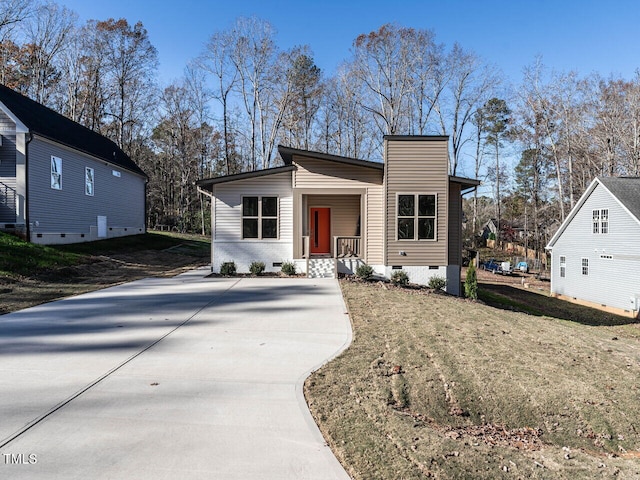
[
  {"x": 595, "y": 255},
  {"x": 61, "y": 182}
]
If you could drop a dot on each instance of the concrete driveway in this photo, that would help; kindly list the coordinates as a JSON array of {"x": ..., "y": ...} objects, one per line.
[{"x": 188, "y": 377}]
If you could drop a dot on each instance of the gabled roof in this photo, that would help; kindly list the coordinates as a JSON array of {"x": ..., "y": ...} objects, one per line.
[
  {"x": 46, "y": 123},
  {"x": 287, "y": 153},
  {"x": 242, "y": 176},
  {"x": 626, "y": 190}
]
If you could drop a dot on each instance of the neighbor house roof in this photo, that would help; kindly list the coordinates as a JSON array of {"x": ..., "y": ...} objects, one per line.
[
  {"x": 46, "y": 123},
  {"x": 626, "y": 190}
]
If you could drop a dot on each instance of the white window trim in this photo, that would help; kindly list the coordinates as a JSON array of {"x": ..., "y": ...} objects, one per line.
[
  {"x": 416, "y": 217},
  {"x": 87, "y": 182},
  {"x": 260, "y": 218},
  {"x": 600, "y": 221},
  {"x": 563, "y": 266},
  {"x": 57, "y": 161},
  {"x": 583, "y": 266}
]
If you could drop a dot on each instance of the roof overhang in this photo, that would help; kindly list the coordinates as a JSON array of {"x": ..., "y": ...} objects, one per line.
[
  {"x": 469, "y": 184},
  {"x": 287, "y": 153},
  {"x": 209, "y": 182}
]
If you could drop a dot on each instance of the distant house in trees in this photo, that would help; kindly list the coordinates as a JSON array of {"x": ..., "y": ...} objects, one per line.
[
  {"x": 330, "y": 214},
  {"x": 61, "y": 182},
  {"x": 595, "y": 254}
]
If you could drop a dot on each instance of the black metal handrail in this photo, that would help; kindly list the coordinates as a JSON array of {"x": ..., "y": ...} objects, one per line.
[{"x": 7, "y": 195}]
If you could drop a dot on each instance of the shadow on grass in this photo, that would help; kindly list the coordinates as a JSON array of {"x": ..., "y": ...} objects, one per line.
[
  {"x": 186, "y": 244},
  {"x": 506, "y": 297}
]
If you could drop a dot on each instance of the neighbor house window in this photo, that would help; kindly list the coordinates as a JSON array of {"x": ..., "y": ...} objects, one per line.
[
  {"x": 259, "y": 217},
  {"x": 585, "y": 266},
  {"x": 604, "y": 221},
  {"x": 56, "y": 173},
  {"x": 600, "y": 220},
  {"x": 563, "y": 266},
  {"x": 416, "y": 217},
  {"x": 88, "y": 181}
]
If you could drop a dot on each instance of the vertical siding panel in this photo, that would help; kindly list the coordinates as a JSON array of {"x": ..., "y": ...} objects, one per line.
[
  {"x": 455, "y": 225},
  {"x": 375, "y": 225},
  {"x": 417, "y": 165}
]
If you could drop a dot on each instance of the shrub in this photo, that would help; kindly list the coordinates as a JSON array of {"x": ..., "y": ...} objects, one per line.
[
  {"x": 256, "y": 268},
  {"x": 471, "y": 282},
  {"x": 437, "y": 283},
  {"x": 400, "y": 277},
  {"x": 364, "y": 271},
  {"x": 288, "y": 268},
  {"x": 228, "y": 269}
]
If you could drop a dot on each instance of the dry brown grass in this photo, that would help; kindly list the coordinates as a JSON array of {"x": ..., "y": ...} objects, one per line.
[{"x": 435, "y": 386}]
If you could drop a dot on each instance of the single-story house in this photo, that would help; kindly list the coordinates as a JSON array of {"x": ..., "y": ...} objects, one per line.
[
  {"x": 595, "y": 254},
  {"x": 328, "y": 213},
  {"x": 61, "y": 182}
]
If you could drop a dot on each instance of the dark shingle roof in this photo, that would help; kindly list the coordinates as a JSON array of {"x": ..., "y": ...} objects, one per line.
[
  {"x": 47, "y": 123},
  {"x": 287, "y": 153},
  {"x": 627, "y": 190}
]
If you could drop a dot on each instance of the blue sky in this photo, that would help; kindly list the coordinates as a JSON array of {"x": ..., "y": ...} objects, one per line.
[{"x": 586, "y": 36}]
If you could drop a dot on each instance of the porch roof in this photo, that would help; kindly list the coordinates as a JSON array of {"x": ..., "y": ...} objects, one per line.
[
  {"x": 241, "y": 176},
  {"x": 287, "y": 153}
]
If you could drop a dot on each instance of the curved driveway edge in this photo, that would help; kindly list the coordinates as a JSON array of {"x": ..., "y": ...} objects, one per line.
[{"x": 188, "y": 377}]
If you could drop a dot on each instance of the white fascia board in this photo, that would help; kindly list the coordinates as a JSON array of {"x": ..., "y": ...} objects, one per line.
[
  {"x": 20, "y": 127},
  {"x": 572, "y": 213}
]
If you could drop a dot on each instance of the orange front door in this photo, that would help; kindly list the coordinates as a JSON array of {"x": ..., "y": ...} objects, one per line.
[{"x": 320, "y": 230}]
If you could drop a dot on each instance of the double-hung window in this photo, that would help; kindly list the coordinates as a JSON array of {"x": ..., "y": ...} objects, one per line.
[
  {"x": 259, "y": 217},
  {"x": 563, "y": 266},
  {"x": 601, "y": 220},
  {"x": 585, "y": 266},
  {"x": 416, "y": 218}
]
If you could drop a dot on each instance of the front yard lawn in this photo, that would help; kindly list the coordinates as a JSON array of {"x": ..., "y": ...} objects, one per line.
[{"x": 435, "y": 386}]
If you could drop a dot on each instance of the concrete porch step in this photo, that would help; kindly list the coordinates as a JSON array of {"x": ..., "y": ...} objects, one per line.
[{"x": 321, "y": 268}]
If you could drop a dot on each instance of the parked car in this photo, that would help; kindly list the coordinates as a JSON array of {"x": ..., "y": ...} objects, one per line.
[
  {"x": 506, "y": 268},
  {"x": 493, "y": 266},
  {"x": 523, "y": 267}
]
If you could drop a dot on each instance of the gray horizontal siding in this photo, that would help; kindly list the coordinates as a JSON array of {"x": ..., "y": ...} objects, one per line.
[
  {"x": 611, "y": 281},
  {"x": 120, "y": 199}
]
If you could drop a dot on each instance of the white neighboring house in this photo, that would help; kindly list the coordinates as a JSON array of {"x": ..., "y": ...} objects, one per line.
[
  {"x": 328, "y": 213},
  {"x": 595, "y": 255}
]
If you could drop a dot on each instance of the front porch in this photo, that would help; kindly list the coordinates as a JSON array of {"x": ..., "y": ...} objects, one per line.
[{"x": 330, "y": 227}]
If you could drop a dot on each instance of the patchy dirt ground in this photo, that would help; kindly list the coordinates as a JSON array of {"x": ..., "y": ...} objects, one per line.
[{"x": 95, "y": 273}]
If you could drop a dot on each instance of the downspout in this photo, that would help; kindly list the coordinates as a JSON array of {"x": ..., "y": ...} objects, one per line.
[
  {"x": 28, "y": 138},
  {"x": 210, "y": 195}
]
